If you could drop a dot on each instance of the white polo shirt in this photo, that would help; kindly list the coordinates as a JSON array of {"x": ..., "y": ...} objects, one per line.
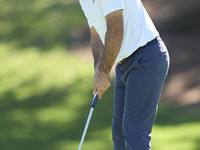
[{"x": 138, "y": 27}]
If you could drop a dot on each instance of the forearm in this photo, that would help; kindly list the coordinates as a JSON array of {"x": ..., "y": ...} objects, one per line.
[
  {"x": 97, "y": 52},
  {"x": 105, "y": 56},
  {"x": 112, "y": 46}
]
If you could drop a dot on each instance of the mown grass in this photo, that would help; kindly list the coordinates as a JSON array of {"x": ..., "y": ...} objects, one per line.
[
  {"x": 41, "y": 23},
  {"x": 43, "y": 96},
  {"x": 45, "y": 99},
  {"x": 176, "y": 127}
]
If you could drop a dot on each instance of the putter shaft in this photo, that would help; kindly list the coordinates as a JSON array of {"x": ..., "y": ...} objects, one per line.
[
  {"x": 88, "y": 120},
  {"x": 86, "y": 127}
]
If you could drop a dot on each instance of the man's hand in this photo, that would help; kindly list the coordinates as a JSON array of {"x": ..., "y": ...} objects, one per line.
[{"x": 102, "y": 82}]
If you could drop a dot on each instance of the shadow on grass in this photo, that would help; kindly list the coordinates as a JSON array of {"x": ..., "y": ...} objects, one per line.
[
  {"x": 42, "y": 121},
  {"x": 176, "y": 115},
  {"x": 41, "y": 23},
  {"x": 197, "y": 144}
]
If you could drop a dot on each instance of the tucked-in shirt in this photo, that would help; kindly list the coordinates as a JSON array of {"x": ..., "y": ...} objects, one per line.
[{"x": 138, "y": 26}]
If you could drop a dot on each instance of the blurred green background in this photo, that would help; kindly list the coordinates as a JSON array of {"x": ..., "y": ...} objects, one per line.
[{"x": 46, "y": 77}]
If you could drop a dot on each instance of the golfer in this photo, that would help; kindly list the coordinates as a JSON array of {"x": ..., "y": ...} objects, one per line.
[{"x": 122, "y": 32}]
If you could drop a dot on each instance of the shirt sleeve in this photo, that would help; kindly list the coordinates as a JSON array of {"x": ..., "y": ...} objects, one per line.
[
  {"x": 88, "y": 20},
  {"x": 109, "y": 6}
]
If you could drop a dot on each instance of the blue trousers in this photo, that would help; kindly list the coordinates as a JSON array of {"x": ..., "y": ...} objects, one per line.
[{"x": 138, "y": 85}]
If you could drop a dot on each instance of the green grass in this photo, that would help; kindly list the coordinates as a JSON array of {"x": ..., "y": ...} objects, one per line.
[
  {"x": 45, "y": 99},
  {"x": 184, "y": 137},
  {"x": 43, "y": 96},
  {"x": 40, "y": 23},
  {"x": 176, "y": 127}
]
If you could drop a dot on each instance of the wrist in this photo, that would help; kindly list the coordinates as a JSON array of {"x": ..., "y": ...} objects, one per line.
[{"x": 103, "y": 72}]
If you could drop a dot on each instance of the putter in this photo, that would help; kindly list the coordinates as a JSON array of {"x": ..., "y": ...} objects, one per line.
[{"x": 88, "y": 119}]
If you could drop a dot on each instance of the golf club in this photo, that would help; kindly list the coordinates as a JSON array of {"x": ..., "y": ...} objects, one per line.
[{"x": 88, "y": 119}]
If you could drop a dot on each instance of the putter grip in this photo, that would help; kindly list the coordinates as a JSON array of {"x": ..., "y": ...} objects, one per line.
[{"x": 94, "y": 100}]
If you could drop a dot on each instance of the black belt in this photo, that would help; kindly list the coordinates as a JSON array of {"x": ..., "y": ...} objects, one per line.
[{"x": 148, "y": 44}]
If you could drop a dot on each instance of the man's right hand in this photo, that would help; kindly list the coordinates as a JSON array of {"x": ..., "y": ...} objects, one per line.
[{"x": 102, "y": 82}]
